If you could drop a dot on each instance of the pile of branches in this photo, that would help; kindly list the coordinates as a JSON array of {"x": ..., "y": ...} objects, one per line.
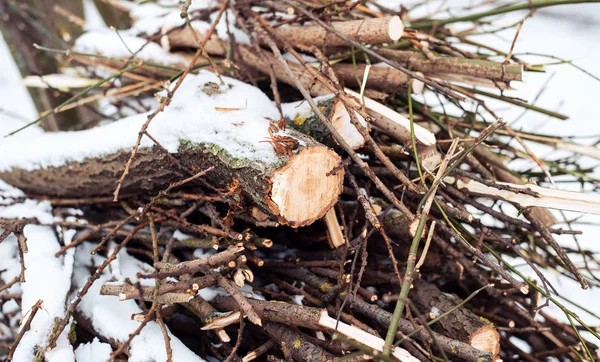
[{"x": 386, "y": 229}]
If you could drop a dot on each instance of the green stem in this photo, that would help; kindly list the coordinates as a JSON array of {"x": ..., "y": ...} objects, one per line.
[
  {"x": 515, "y": 102},
  {"x": 414, "y": 247},
  {"x": 443, "y": 315},
  {"x": 410, "y": 267},
  {"x": 74, "y": 98},
  {"x": 535, "y": 4}
]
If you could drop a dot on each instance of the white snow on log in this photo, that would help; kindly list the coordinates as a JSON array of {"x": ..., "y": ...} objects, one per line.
[
  {"x": 151, "y": 18},
  {"x": 47, "y": 277},
  {"x": 235, "y": 116},
  {"x": 111, "y": 318},
  {"x": 94, "y": 351},
  {"x": 108, "y": 43}
]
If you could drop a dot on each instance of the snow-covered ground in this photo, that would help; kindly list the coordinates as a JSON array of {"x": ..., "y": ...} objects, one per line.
[{"x": 571, "y": 33}]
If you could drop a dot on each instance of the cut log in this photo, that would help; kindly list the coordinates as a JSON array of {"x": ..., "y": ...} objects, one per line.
[
  {"x": 206, "y": 125},
  {"x": 381, "y": 78},
  {"x": 398, "y": 126},
  {"x": 369, "y": 31},
  {"x": 502, "y": 174},
  {"x": 535, "y": 196},
  {"x": 385, "y": 118},
  {"x": 461, "y": 324},
  {"x": 453, "y": 65},
  {"x": 300, "y": 116}
]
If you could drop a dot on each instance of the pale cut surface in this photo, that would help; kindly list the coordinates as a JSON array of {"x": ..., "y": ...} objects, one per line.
[
  {"x": 342, "y": 123},
  {"x": 302, "y": 192},
  {"x": 395, "y": 28},
  {"x": 486, "y": 339}
]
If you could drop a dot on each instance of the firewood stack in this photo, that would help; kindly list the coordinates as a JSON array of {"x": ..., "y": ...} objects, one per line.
[{"x": 293, "y": 192}]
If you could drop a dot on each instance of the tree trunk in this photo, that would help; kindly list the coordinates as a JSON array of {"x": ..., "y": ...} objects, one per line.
[
  {"x": 296, "y": 191},
  {"x": 44, "y": 27}
]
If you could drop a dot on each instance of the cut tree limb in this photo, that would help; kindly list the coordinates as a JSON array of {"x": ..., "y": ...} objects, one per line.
[
  {"x": 369, "y": 31},
  {"x": 300, "y": 116},
  {"x": 207, "y": 125},
  {"x": 462, "y": 324},
  {"x": 454, "y": 65},
  {"x": 285, "y": 190},
  {"x": 381, "y": 78},
  {"x": 544, "y": 197},
  {"x": 398, "y": 126}
]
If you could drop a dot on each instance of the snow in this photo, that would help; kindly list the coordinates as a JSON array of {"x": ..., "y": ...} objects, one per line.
[
  {"x": 111, "y": 44},
  {"x": 94, "y": 351},
  {"x": 42, "y": 266},
  {"x": 16, "y": 107},
  {"x": 111, "y": 318},
  {"x": 235, "y": 116},
  {"x": 153, "y": 18}
]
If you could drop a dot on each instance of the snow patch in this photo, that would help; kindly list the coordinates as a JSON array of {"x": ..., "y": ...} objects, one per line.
[
  {"x": 111, "y": 318},
  {"x": 120, "y": 45},
  {"x": 235, "y": 116},
  {"x": 94, "y": 351}
]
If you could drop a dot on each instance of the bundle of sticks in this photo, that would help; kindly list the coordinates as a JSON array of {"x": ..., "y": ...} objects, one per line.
[{"x": 380, "y": 227}]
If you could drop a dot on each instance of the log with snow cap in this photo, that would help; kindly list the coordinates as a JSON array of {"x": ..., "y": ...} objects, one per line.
[
  {"x": 208, "y": 124},
  {"x": 388, "y": 120}
]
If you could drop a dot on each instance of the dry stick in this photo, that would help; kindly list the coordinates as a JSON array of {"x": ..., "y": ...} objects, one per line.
[
  {"x": 175, "y": 185},
  {"x": 138, "y": 330},
  {"x": 374, "y": 221},
  {"x": 108, "y": 236},
  {"x": 239, "y": 298},
  {"x": 482, "y": 136},
  {"x": 545, "y": 233},
  {"x": 165, "y": 333},
  {"x": 10, "y": 284},
  {"x": 443, "y": 67},
  {"x": 364, "y": 132},
  {"x": 383, "y": 79},
  {"x": 259, "y": 50},
  {"x": 338, "y": 138},
  {"x": 72, "y": 99},
  {"x": 356, "y": 44},
  {"x": 412, "y": 255},
  {"x": 262, "y": 349},
  {"x": 184, "y": 14},
  {"x": 128, "y": 291},
  {"x": 238, "y": 342},
  {"x": 167, "y": 99},
  {"x": 193, "y": 266},
  {"x": 22, "y": 242},
  {"x": 60, "y": 326},
  {"x": 532, "y": 195},
  {"x": 25, "y": 328},
  {"x": 426, "y": 248},
  {"x": 512, "y": 133}
]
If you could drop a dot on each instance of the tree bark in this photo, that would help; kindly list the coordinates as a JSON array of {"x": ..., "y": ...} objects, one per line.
[
  {"x": 462, "y": 324},
  {"x": 453, "y": 65},
  {"x": 285, "y": 190},
  {"x": 381, "y": 78},
  {"x": 370, "y": 31},
  {"x": 44, "y": 27}
]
